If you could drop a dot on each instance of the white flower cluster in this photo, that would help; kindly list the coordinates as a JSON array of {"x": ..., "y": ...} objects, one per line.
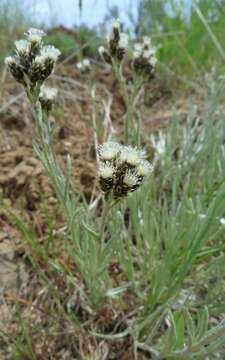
[
  {"x": 122, "y": 169},
  {"x": 144, "y": 57},
  {"x": 117, "y": 44},
  {"x": 47, "y": 97},
  {"x": 84, "y": 65},
  {"x": 32, "y": 60}
]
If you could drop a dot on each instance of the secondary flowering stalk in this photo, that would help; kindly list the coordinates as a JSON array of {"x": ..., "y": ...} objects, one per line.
[{"x": 31, "y": 65}]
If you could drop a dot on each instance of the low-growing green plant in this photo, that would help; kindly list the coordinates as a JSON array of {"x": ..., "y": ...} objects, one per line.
[{"x": 152, "y": 259}]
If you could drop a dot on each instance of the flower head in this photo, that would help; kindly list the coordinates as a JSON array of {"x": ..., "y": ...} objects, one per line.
[
  {"x": 130, "y": 179},
  {"x": 116, "y": 24},
  {"x": 109, "y": 150},
  {"x": 122, "y": 169},
  {"x": 131, "y": 156},
  {"x": 33, "y": 61},
  {"x": 35, "y": 35},
  {"x": 22, "y": 47},
  {"x": 144, "y": 168},
  {"x": 123, "y": 41},
  {"x": 48, "y": 93},
  {"x": 144, "y": 57},
  {"x": 10, "y": 60},
  {"x": 50, "y": 52},
  {"x": 84, "y": 65},
  {"x": 138, "y": 47},
  {"x": 147, "y": 41},
  {"x": 47, "y": 97},
  {"x": 117, "y": 43},
  {"x": 106, "y": 170}
]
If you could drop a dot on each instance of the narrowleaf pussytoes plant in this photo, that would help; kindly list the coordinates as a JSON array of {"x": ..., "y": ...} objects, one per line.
[{"x": 164, "y": 236}]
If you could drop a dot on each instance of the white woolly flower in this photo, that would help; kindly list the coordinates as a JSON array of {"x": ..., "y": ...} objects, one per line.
[
  {"x": 40, "y": 59},
  {"x": 131, "y": 155},
  {"x": 48, "y": 93},
  {"x": 35, "y": 35},
  {"x": 159, "y": 143},
  {"x": 136, "y": 54},
  {"x": 153, "y": 60},
  {"x": 79, "y": 66},
  {"x": 86, "y": 62},
  {"x": 130, "y": 179},
  {"x": 10, "y": 60},
  {"x": 101, "y": 50},
  {"x": 84, "y": 65},
  {"x": 147, "y": 53},
  {"x": 51, "y": 52},
  {"x": 116, "y": 24},
  {"x": 144, "y": 168},
  {"x": 222, "y": 221},
  {"x": 147, "y": 40},
  {"x": 123, "y": 42},
  {"x": 106, "y": 171},
  {"x": 22, "y": 46},
  {"x": 109, "y": 150},
  {"x": 138, "y": 47}
]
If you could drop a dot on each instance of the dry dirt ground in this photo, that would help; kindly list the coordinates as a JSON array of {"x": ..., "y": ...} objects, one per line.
[{"x": 23, "y": 185}]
